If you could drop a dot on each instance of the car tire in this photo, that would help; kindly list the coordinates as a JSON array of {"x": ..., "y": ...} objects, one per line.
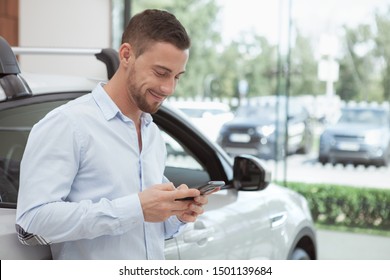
[
  {"x": 386, "y": 159},
  {"x": 300, "y": 254},
  {"x": 323, "y": 160},
  {"x": 383, "y": 162}
]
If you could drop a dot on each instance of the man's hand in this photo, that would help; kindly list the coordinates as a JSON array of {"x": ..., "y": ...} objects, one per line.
[
  {"x": 159, "y": 203},
  {"x": 195, "y": 207}
]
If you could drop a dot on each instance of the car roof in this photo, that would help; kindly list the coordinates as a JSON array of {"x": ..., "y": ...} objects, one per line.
[
  {"x": 46, "y": 83},
  {"x": 41, "y": 84}
]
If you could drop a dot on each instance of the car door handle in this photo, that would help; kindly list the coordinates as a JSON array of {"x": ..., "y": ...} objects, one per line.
[
  {"x": 278, "y": 219},
  {"x": 200, "y": 234}
]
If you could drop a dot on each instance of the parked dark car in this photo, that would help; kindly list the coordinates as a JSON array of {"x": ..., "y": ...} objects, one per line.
[
  {"x": 259, "y": 129},
  {"x": 360, "y": 136},
  {"x": 250, "y": 218}
]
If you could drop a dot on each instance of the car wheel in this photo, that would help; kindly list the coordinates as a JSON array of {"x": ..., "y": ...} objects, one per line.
[
  {"x": 299, "y": 254},
  {"x": 323, "y": 160},
  {"x": 386, "y": 159}
]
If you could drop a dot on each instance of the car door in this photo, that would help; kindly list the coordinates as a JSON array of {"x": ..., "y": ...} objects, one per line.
[
  {"x": 235, "y": 224},
  {"x": 183, "y": 167}
]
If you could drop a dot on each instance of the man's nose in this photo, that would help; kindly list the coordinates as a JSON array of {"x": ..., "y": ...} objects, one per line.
[{"x": 168, "y": 87}]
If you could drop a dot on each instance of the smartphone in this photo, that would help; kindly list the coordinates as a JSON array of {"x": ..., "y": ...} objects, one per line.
[{"x": 205, "y": 188}]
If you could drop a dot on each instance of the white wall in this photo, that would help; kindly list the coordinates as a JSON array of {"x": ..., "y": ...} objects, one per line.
[{"x": 64, "y": 23}]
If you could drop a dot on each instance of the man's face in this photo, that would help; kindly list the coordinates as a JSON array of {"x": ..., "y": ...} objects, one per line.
[{"x": 154, "y": 75}]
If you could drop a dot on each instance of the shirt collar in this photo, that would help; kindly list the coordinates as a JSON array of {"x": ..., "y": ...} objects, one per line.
[{"x": 110, "y": 110}]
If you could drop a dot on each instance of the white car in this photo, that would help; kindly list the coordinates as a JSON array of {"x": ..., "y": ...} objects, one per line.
[
  {"x": 250, "y": 218},
  {"x": 208, "y": 116}
]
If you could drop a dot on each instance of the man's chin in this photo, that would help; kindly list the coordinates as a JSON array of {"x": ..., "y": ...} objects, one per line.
[
  {"x": 153, "y": 109},
  {"x": 156, "y": 108}
]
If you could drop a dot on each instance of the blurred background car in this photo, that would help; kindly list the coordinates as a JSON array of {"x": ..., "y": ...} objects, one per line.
[
  {"x": 361, "y": 135},
  {"x": 208, "y": 116},
  {"x": 259, "y": 128}
]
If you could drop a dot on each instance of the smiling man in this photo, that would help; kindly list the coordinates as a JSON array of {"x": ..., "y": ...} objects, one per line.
[{"x": 96, "y": 188}]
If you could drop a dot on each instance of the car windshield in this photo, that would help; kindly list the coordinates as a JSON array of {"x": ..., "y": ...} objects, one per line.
[{"x": 363, "y": 116}]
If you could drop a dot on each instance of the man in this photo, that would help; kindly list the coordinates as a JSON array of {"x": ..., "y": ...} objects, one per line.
[{"x": 92, "y": 183}]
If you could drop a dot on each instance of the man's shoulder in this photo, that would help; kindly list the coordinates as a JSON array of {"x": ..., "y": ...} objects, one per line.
[
  {"x": 76, "y": 106},
  {"x": 73, "y": 109}
]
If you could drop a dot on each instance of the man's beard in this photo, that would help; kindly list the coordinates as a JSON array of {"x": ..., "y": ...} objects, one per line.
[
  {"x": 140, "y": 100},
  {"x": 139, "y": 97}
]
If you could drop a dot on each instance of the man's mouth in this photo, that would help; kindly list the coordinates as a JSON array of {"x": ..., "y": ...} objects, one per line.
[{"x": 157, "y": 97}]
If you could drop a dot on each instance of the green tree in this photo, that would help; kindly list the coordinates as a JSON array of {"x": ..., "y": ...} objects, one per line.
[
  {"x": 253, "y": 60},
  {"x": 382, "y": 51},
  {"x": 261, "y": 66},
  {"x": 357, "y": 66},
  {"x": 303, "y": 69},
  {"x": 228, "y": 71}
]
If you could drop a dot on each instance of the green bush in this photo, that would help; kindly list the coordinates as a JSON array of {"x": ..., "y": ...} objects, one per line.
[{"x": 353, "y": 207}]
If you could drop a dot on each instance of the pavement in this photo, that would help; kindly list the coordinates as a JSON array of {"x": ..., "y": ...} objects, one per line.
[{"x": 335, "y": 245}]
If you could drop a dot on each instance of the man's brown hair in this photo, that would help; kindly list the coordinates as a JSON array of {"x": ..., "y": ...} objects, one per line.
[{"x": 152, "y": 26}]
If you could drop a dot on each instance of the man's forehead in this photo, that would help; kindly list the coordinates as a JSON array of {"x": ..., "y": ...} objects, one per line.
[{"x": 167, "y": 56}]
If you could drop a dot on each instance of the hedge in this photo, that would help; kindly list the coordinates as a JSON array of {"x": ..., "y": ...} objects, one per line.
[{"x": 356, "y": 207}]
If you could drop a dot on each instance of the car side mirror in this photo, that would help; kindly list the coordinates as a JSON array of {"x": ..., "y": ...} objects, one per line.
[{"x": 250, "y": 174}]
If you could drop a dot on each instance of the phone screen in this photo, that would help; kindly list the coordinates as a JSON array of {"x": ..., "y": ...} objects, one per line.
[
  {"x": 206, "y": 188},
  {"x": 210, "y": 186}
]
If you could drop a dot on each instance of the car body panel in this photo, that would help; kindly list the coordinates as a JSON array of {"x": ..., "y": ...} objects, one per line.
[
  {"x": 232, "y": 223},
  {"x": 11, "y": 248}
]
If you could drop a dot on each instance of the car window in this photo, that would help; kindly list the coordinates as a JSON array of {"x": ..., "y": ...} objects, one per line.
[
  {"x": 363, "y": 116},
  {"x": 15, "y": 126},
  {"x": 182, "y": 166},
  {"x": 178, "y": 155}
]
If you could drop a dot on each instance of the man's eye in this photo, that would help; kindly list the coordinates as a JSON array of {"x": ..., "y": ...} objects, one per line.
[{"x": 161, "y": 74}]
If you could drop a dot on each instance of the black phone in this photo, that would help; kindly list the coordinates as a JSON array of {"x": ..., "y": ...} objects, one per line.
[{"x": 205, "y": 188}]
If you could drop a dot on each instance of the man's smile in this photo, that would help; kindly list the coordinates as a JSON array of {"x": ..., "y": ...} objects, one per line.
[{"x": 158, "y": 97}]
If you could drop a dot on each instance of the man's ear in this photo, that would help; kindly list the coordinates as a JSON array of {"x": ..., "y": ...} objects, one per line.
[{"x": 125, "y": 52}]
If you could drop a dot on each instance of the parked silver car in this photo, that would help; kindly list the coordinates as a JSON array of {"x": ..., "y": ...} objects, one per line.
[
  {"x": 250, "y": 218},
  {"x": 360, "y": 136},
  {"x": 208, "y": 116}
]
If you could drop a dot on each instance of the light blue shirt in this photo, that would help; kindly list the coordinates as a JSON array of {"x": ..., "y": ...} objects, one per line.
[{"x": 80, "y": 177}]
